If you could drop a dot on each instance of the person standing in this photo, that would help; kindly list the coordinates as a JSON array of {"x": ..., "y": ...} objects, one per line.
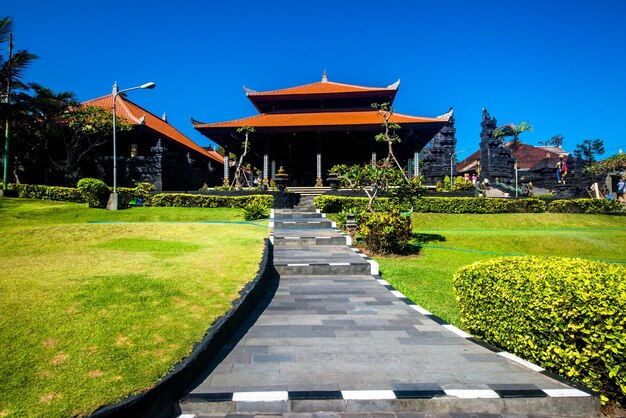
[{"x": 620, "y": 189}]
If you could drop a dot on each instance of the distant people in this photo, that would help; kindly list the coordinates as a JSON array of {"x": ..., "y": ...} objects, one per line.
[
  {"x": 474, "y": 179},
  {"x": 466, "y": 177},
  {"x": 484, "y": 187},
  {"x": 561, "y": 170},
  {"x": 621, "y": 185},
  {"x": 527, "y": 189}
]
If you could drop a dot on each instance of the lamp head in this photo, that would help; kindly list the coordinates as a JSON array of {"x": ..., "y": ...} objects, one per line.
[{"x": 149, "y": 85}]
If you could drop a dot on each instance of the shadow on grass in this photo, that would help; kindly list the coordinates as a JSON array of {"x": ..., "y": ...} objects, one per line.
[{"x": 421, "y": 238}]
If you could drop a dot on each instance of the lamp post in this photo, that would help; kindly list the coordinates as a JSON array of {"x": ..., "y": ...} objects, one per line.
[
  {"x": 7, "y": 128},
  {"x": 515, "y": 167},
  {"x": 113, "y": 201},
  {"x": 452, "y": 167}
]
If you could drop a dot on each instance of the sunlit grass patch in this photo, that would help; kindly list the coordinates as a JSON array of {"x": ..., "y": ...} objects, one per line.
[{"x": 94, "y": 312}]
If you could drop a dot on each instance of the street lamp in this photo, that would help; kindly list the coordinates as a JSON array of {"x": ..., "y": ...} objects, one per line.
[
  {"x": 113, "y": 202},
  {"x": 452, "y": 167}
]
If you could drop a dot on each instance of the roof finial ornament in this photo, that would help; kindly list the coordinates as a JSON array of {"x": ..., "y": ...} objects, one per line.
[
  {"x": 248, "y": 91},
  {"x": 447, "y": 115},
  {"x": 394, "y": 85},
  {"x": 324, "y": 77},
  {"x": 115, "y": 89},
  {"x": 164, "y": 117}
]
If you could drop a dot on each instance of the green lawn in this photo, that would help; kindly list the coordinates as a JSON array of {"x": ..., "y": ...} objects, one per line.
[
  {"x": 99, "y": 305},
  {"x": 449, "y": 241}
]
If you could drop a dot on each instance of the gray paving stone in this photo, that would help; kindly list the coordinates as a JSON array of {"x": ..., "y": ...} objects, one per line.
[{"x": 330, "y": 330}]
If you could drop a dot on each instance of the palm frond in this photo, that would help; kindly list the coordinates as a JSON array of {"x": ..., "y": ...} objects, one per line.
[{"x": 6, "y": 27}]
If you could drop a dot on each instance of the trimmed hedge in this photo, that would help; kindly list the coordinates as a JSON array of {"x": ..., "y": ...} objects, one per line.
[
  {"x": 211, "y": 201},
  {"x": 385, "y": 232},
  {"x": 94, "y": 191},
  {"x": 567, "y": 315},
  {"x": 592, "y": 206},
  {"x": 38, "y": 191},
  {"x": 335, "y": 204}
]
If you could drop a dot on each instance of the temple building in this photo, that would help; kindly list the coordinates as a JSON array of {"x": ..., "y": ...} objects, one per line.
[
  {"x": 154, "y": 151},
  {"x": 310, "y": 128}
]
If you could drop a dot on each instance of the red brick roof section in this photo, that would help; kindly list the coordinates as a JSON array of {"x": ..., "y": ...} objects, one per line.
[
  {"x": 369, "y": 117},
  {"x": 319, "y": 87},
  {"x": 527, "y": 156},
  {"x": 133, "y": 113}
]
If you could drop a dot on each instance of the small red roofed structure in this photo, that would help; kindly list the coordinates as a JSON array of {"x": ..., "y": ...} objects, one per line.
[{"x": 155, "y": 151}]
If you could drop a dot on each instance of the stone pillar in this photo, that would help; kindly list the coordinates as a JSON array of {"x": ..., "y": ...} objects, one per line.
[
  {"x": 273, "y": 169},
  {"x": 436, "y": 158},
  {"x": 409, "y": 168},
  {"x": 318, "y": 180},
  {"x": 157, "y": 179},
  {"x": 373, "y": 159},
  {"x": 226, "y": 170},
  {"x": 266, "y": 158},
  {"x": 416, "y": 164}
]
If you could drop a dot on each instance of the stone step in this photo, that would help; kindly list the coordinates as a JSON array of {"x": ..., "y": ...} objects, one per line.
[
  {"x": 388, "y": 403},
  {"x": 302, "y": 241},
  {"x": 301, "y": 223},
  {"x": 323, "y": 269},
  {"x": 289, "y": 214}
]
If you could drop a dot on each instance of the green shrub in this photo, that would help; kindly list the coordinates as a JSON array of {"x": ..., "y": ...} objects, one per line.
[
  {"x": 567, "y": 315},
  {"x": 255, "y": 210},
  {"x": 142, "y": 190},
  {"x": 385, "y": 232},
  {"x": 95, "y": 192},
  {"x": 336, "y": 204},
  {"x": 591, "y": 206},
  {"x": 357, "y": 211},
  {"x": 38, "y": 191},
  {"x": 461, "y": 185},
  {"x": 211, "y": 201}
]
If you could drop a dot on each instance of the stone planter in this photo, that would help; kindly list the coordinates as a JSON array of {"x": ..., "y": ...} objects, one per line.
[
  {"x": 281, "y": 179},
  {"x": 333, "y": 181}
]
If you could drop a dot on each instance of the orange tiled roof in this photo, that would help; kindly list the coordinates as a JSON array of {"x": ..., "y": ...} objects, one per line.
[
  {"x": 367, "y": 117},
  {"x": 527, "y": 156},
  {"x": 320, "y": 87},
  {"x": 134, "y": 114}
]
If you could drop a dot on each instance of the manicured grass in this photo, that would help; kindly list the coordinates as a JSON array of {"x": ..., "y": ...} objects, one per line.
[
  {"x": 445, "y": 242},
  {"x": 93, "y": 312}
]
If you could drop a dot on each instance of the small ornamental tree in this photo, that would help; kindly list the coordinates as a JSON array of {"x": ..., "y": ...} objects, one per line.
[
  {"x": 389, "y": 136},
  {"x": 388, "y": 232},
  {"x": 238, "y": 171}
]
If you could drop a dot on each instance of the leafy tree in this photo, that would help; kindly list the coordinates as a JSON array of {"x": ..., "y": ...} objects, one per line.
[
  {"x": 556, "y": 140},
  {"x": 246, "y": 131},
  {"x": 385, "y": 110},
  {"x": 83, "y": 129},
  {"x": 586, "y": 152},
  {"x": 616, "y": 162},
  {"x": 37, "y": 122},
  {"x": 513, "y": 131}
]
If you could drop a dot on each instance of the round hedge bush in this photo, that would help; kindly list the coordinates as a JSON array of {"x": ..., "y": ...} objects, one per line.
[
  {"x": 94, "y": 191},
  {"x": 567, "y": 315},
  {"x": 385, "y": 232}
]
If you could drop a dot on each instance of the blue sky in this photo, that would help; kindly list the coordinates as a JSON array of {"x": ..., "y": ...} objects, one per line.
[{"x": 560, "y": 65}]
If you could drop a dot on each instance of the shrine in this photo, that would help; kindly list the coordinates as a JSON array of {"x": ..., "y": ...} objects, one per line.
[{"x": 310, "y": 128}]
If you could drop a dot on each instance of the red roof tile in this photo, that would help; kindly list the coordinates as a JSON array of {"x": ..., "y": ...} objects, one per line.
[
  {"x": 326, "y": 87},
  {"x": 134, "y": 114},
  {"x": 527, "y": 156},
  {"x": 368, "y": 117}
]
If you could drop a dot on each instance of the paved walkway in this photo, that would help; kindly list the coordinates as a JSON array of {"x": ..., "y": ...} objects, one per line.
[{"x": 333, "y": 337}]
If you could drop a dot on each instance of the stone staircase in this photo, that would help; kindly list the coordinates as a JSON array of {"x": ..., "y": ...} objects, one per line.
[
  {"x": 306, "y": 243},
  {"x": 309, "y": 191}
]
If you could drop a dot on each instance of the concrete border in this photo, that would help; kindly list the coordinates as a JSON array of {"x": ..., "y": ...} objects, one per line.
[{"x": 162, "y": 399}]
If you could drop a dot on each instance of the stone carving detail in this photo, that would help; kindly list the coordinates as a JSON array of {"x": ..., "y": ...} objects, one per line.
[
  {"x": 436, "y": 158},
  {"x": 496, "y": 161}
]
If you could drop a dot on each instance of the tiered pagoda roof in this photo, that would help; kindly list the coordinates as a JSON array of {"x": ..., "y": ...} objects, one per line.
[
  {"x": 320, "y": 106},
  {"x": 136, "y": 115}
]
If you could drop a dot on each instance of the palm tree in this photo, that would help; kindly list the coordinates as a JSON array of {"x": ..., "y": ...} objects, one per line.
[
  {"x": 556, "y": 140},
  {"x": 12, "y": 70},
  {"x": 513, "y": 131},
  {"x": 12, "y": 67}
]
